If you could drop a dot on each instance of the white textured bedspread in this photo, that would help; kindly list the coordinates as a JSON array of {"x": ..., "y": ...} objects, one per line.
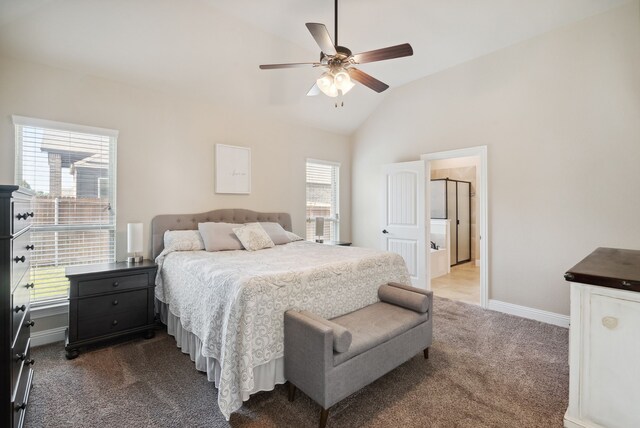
[{"x": 234, "y": 301}]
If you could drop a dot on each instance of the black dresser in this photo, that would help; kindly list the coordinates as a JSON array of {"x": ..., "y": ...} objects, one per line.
[{"x": 16, "y": 365}]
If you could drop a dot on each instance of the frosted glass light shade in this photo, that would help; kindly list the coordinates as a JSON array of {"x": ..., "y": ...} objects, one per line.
[
  {"x": 327, "y": 86},
  {"x": 341, "y": 80},
  {"x": 134, "y": 238}
]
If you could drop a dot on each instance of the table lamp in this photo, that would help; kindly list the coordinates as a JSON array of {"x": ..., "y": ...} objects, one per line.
[{"x": 134, "y": 242}]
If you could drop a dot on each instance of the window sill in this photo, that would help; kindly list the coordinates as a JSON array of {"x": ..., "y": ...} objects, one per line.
[{"x": 50, "y": 309}]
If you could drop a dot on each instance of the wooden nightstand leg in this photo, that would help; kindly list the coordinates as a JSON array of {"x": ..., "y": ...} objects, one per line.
[{"x": 71, "y": 353}]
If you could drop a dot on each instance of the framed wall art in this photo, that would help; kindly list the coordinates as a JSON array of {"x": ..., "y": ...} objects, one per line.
[{"x": 233, "y": 169}]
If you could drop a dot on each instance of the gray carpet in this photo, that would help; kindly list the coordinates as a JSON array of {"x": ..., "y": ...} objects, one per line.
[{"x": 485, "y": 369}]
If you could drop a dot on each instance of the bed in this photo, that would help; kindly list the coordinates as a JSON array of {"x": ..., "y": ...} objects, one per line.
[{"x": 226, "y": 308}]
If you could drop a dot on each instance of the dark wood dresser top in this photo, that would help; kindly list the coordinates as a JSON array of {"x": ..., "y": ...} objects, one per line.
[
  {"x": 608, "y": 267},
  {"x": 115, "y": 267}
]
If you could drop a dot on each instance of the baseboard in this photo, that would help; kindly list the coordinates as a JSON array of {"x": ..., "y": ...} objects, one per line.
[
  {"x": 530, "y": 313},
  {"x": 45, "y": 337}
]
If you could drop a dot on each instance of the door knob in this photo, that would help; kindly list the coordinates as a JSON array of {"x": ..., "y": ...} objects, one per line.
[{"x": 385, "y": 231}]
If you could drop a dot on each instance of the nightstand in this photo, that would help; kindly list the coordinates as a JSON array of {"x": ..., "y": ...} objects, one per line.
[
  {"x": 107, "y": 301},
  {"x": 341, "y": 243}
]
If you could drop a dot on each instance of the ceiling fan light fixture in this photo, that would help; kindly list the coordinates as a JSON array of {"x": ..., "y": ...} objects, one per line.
[
  {"x": 327, "y": 85},
  {"x": 342, "y": 79}
]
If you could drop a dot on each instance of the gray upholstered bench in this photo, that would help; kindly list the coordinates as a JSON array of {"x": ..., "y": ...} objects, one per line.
[{"x": 331, "y": 359}]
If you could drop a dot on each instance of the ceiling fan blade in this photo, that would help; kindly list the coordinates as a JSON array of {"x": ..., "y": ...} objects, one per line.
[
  {"x": 315, "y": 90},
  {"x": 366, "y": 80},
  {"x": 322, "y": 37},
  {"x": 391, "y": 52},
  {"x": 292, "y": 65}
]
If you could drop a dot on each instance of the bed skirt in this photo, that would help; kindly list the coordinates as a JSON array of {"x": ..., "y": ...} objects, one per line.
[{"x": 265, "y": 376}]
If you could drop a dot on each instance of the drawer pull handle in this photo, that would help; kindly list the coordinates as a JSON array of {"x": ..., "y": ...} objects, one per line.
[
  {"x": 20, "y": 357},
  {"x": 626, "y": 283},
  {"x": 20, "y": 259},
  {"x": 115, "y": 303},
  {"x": 30, "y": 362},
  {"x": 21, "y": 406},
  {"x": 115, "y": 322},
  {"x": 30, "y": 214},
  {"x": 30, "y": 247},
  {"x": 610, "y": 322},
  {"x": 20, "y": 308},
  {"x": 30, "y": 285},
  {"x": 30, "y": 323},
  {"x": 22, "y": 216},
  {"x": 115, "y": 284}
]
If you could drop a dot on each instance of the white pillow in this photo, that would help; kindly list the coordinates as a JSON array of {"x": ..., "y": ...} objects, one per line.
[
  {"x": 253, "y": 237},
  {"x": 183, "y": 240},
  {"x": 219, "y": 236},
  {"x": 276, "y": 232},
  {"x": 293, "y": 237}
]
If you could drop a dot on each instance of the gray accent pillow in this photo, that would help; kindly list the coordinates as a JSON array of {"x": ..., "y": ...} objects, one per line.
[
  {"x": 253, "y": 237},
  {"x": 219, "y": 236},
  {"x": 404, "y": 297},
  {"x": 276, "y": 232},
  {"x": 293, "y": 237},
  {"x": 341, "y": 336}
]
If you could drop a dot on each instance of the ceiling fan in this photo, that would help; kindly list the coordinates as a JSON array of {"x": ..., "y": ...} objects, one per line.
[{"x": 340, "y": 62}]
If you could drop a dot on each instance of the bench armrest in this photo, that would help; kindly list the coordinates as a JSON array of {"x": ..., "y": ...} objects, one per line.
[{"x": 412, "y": 298}]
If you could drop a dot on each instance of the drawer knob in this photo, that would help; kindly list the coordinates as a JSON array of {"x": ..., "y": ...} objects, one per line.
[
  {"x": 30, "y": 285},
  {"x": 610, "y": 322},
  {"x": 22, "y": 216},
  {"x": 115, "y": 322},
  {"x": 626, "y": 283},
  {"x": 115, "y": 302},
  {"x": 20, "y": 357},
  {"x": 30, "y": 362},
  {"x": 21, "y": 406},
  {"x": 20, "y": 308},
  {"x": 30, "y": 247},
  {"x": 20, "y": 259},
  {"x": 115, "y": 284},
  {"x": 30, "y": 323},
  {"x": 30, "y": 214}
]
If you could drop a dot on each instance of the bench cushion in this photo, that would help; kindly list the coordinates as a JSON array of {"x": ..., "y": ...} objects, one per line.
[{"x": 373, "y": 325}]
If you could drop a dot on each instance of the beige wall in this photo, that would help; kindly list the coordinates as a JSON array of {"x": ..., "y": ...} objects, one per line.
[
  {"x": 166, "y": 146},
  {"x": 560, "y": 115}
]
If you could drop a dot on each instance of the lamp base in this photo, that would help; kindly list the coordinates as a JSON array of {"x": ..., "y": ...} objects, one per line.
[
  {"x": 319, "y": 241},
  {"x": 134, "y": 259}
]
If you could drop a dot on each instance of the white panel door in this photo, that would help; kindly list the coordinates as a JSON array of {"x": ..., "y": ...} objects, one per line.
[{"x": 403, "y": 225}]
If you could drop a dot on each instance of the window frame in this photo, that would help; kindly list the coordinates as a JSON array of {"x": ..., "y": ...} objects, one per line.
[
  {"x": 335, "y": 220},
  {"x": 60, "y": 304}
]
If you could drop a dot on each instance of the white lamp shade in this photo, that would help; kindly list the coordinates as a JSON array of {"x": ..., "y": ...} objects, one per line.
[
  {"x": 319, "y": 226},
  {"x": 134, "y": 237}
]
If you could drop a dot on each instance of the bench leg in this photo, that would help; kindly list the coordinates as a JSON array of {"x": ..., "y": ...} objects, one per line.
[
  {"x": 323, "y": 418},
  {"x": 292, "y": 392},
  {"x": 426, "y": 353}
]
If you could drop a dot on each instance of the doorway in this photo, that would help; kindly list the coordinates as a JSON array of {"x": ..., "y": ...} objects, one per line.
[{"x": 456, "y": 191}]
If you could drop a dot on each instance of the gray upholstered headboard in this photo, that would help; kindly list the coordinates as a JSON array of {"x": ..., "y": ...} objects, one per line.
[{"x": 162, "y": 223}]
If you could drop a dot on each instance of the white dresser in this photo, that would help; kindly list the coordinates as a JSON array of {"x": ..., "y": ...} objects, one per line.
[{"x": 604, "y": 344}]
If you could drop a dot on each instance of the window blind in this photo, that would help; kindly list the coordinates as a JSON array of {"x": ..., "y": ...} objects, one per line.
[
  {"x": 72, "y": 171},
  {"x": 323, "y": 197}
]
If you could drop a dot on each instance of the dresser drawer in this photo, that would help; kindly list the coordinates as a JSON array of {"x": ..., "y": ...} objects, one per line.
[
  {"x": 20, "y": 355},
  {"x": 115, "y": 283},
  {"x": 21, "y": 257},
  {"x": 22, "y": 215},
  {"x": 111, "y": 323},
  {"x": 21, "y": 397},
  {"x": 112, "y": 305},
  {"x": 20, "y": 317}
]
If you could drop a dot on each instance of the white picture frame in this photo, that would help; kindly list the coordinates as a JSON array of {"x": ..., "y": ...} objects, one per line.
[{"x": 233, "y": 169}]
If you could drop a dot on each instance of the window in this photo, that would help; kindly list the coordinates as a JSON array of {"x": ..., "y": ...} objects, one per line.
[
  {"x": 323, "y": 197},
  {"x": 72, "y": 169}
]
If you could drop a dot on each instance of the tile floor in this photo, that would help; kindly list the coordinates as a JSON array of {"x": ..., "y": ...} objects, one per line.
[{"x": 463, "y": 284}]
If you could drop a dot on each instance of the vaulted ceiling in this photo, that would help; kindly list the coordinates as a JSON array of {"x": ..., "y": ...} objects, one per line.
[{"x": 211, "y": 49}]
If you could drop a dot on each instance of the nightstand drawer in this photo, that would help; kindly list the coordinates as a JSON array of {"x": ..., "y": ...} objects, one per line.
[
  {"x": 21, "y": 257},
  {"x": 115, "y": 283},
  {"x": 111, "y": 305},
  {"x": 21, "y": 397},
  {"x": 22, "y": 215},
  {"x": 112, "y": 323}
]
